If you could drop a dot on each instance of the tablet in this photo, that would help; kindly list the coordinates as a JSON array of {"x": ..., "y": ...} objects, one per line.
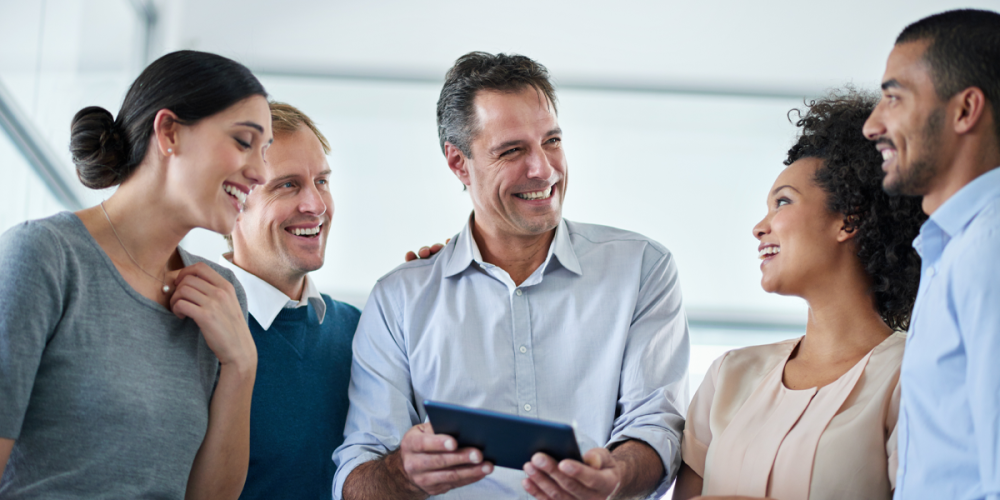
[{"x": 505, "y": 440}]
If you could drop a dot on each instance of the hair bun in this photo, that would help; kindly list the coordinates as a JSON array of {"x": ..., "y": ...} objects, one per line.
[{"x": 98, "y": 148}]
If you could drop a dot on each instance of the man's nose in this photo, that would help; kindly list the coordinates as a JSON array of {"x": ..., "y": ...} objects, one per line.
[
  {"x": 539, "y": 166},
  {"x": 311, "y": 201},
  {"x": 874, "y": 127}
]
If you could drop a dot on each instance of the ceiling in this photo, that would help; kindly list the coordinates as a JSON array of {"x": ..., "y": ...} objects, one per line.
[{"x": 778, "y": 47}]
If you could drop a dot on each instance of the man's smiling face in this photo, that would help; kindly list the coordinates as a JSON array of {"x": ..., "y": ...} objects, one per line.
[
  {"x": 517, "y": 173},
  {"x": 281, "y": 233},
  {"x": 908, "y": 122}
]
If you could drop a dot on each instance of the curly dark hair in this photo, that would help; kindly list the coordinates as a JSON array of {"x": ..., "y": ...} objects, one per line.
[{"x": 851, "y": 176}]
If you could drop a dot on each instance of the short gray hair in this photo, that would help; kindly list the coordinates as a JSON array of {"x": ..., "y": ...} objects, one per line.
[{"x": 477, "y": 71}]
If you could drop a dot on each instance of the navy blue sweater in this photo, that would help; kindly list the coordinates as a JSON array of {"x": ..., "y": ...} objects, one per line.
[{"x": 299, "y": 401}]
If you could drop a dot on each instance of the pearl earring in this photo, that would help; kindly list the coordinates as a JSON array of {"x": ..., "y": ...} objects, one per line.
[{"x": 170, "y": 150}]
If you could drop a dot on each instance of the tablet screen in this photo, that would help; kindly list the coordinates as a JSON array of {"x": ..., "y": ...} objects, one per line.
[{"x": 505, "y": 440}]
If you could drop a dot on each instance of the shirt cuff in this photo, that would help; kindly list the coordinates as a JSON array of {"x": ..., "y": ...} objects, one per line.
[
  {"x": 345, "y": 469},
  {"x": 662, "y": 442}
]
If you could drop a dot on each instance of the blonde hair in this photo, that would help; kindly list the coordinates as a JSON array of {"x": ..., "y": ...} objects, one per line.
[{"x": 286, "y": 119}]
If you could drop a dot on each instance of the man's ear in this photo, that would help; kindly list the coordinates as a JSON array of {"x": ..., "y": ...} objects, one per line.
[
  {"x": 970, "y": 104},
  {"x": 457, "y": 162},
  {"x": 166, "y": 131}
]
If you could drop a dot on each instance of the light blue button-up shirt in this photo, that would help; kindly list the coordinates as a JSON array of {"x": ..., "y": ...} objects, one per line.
[
  {"x": 949, "y": 420},
  {"x": 595, "y": 337}
]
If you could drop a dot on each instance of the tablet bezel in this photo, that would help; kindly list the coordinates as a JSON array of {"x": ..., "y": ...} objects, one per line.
[{"x": 505, "y": 440}]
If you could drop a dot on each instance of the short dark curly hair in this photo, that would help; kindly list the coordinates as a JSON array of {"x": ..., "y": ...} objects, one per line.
[{"x": 851, "y": 176}]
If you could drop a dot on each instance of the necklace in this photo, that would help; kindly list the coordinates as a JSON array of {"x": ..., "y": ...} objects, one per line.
[{"x": 166, "y": 287}]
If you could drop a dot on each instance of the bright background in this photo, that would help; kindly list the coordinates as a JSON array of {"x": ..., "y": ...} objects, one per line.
[{"x": 674, "y": 113}]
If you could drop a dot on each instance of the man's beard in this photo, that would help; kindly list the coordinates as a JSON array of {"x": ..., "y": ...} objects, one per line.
[{"x": 915, "y": 180}]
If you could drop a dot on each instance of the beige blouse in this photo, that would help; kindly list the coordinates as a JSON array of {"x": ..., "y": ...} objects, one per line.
[{"x": 748, "y": 434}]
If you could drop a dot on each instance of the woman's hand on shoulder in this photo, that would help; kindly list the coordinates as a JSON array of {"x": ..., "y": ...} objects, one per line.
[{"x": 202, "y": 294}]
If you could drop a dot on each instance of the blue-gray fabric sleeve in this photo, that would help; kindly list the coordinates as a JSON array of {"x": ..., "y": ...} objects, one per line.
[
  {"x": 381, "y": 393},
  {"x": 31, "y": 305},
  {"x": 654, "y": 383}
]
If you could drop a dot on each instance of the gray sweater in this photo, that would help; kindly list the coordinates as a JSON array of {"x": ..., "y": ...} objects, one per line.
[{"x": 105, "y": 392}]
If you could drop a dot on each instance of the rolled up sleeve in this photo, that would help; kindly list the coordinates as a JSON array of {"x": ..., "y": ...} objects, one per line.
[
  {"x": 381, "y": 394},
  {"x": 654, "y": 377}
]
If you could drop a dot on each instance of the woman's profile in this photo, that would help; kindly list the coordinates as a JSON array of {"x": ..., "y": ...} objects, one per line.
[
  {"x": 126, "y": 365},
  {"x": 815, "y": 417}
]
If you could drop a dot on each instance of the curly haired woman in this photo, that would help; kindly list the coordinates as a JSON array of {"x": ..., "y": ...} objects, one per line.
[{"x": 815, "y": 417}]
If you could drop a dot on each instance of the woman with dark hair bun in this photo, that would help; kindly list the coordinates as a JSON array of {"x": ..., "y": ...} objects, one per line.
[
  {"x": 126, "y": 364},
  {"x": 815, "y": 417}
]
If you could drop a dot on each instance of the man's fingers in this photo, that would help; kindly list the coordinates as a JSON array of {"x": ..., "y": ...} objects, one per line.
[
  {"x": 431, "y": 443},
  {"x": 597, "y": 458},
  {"x": 454, "y": 477},
  {"x": 410, "y": 256},
  {"x": 543, "y": 481},
  {"x": 534, "y": 490},
  {"x": 577, "y": 478},
  {"x": 422, "y": 463}
]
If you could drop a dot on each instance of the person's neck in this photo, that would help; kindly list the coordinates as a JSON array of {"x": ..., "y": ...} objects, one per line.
[
  {"x": 144, "y": 223},
  {"x": 843, "y": 322},
  {"x": 973, "y": 157},
  {"x": 519, "y": 255},
  {"x": 293, "y": 285}
]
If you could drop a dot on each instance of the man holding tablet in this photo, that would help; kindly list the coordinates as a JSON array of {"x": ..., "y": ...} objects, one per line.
[{"x": 522, "y": 313}]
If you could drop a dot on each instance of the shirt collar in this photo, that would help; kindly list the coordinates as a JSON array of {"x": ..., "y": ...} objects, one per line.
[
  {"x": 958, "y": 211},
  {"x": 466, "y": 251},
  {"x": 265, "y": 302}
]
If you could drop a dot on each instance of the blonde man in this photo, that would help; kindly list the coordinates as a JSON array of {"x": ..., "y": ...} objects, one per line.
[{"x": 303, "y": 337}]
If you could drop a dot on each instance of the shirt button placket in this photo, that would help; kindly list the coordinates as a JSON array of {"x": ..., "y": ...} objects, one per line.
[{"x": 523, "y": 363}]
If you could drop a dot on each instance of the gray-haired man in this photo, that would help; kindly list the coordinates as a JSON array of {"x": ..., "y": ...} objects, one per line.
[{"x": 524, "y": 313}]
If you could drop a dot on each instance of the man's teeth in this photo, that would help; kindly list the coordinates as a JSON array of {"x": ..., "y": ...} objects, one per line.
[
  {"x": 535, "y": 195},
  {"x": 307, "y": 231},
  {"x": 888, "y": 154},
  {"x": 768, "y": 251},
  {"x": 234, "y": 191}
]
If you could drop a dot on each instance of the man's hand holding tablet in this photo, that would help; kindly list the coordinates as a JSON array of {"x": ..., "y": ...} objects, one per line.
[
  {"x": 432, "y": 463},
  {"x": 598, "y": 477}
]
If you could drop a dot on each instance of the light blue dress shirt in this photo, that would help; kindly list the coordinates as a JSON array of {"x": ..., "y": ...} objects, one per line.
[
  {"x": 949, "y": 421},
  {"x": 595, "y": 337}
]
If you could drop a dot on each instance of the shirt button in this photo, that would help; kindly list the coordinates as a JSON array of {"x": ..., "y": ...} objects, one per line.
[
  {"x": 523, "y": 349},
  {"x": 527, "y": 407},
  {"x": 518, "y": 291}
]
